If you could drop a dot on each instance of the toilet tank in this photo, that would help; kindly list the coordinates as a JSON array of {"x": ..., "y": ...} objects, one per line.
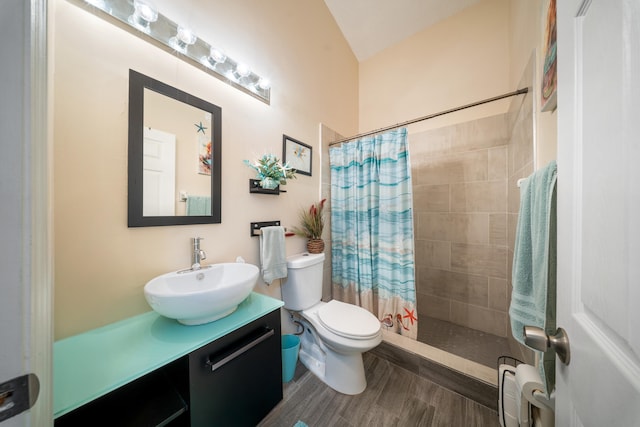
[{"x": 303, "y": 286}]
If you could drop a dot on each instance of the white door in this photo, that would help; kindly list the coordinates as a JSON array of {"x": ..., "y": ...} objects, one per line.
[
  {"x": 599, "y": 211},
  {"x": 25, "y": 246},
  {"x": 159, "y": 173}
]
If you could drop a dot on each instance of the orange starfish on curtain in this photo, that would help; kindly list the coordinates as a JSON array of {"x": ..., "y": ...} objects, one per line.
[
  {"x": 400, "y": 323},
  {"x": 410, "y": 315}
]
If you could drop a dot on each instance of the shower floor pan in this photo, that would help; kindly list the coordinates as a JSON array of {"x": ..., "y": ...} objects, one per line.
[{"x": 481, "y": 347}]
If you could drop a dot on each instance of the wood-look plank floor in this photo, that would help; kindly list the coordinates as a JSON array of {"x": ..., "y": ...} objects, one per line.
[{"x": 394, "y": 397}]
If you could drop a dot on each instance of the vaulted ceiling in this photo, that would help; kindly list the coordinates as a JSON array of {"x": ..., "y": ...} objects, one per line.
[{"x": 370, "y": 26}]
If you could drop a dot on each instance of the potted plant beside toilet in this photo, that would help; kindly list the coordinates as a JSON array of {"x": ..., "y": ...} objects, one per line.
[{"x": 311, "y": 226}]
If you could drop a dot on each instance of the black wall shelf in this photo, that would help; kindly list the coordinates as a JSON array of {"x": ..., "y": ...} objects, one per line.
[{"x": 254, "y": 187}]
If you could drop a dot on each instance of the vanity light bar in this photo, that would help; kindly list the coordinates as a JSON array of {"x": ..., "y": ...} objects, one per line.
[{"x": 142, "y": 19}]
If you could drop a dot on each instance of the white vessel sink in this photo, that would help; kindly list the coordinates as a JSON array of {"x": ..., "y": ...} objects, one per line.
[{"x": 194, "y": 297}]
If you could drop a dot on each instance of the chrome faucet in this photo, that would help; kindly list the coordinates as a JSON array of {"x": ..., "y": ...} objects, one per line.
[{"x": 198, "y": 254}]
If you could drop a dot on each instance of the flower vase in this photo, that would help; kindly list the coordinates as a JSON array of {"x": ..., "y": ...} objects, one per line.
[
  {"x": 315, "y": 246},
  {"x": 269, "y": 183}
]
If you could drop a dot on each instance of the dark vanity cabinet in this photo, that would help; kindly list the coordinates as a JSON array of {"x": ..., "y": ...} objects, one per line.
[{"x": 234, "y": 380}]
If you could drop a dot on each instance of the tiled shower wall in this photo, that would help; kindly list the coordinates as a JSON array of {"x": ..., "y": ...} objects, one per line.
[
  {"x": 520, "y": 164},
  {"x": 460, "y": 219},
  {"x": 327, "y": 136},
  {"x": 464, "y": 219},
  {"x": 466, "y": 203}
]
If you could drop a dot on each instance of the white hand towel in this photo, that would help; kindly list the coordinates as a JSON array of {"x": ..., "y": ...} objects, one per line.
[{"x": 272, "y": 253}]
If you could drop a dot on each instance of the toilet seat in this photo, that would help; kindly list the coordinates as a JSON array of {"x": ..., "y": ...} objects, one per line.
[{"x": 348, "y": 320}]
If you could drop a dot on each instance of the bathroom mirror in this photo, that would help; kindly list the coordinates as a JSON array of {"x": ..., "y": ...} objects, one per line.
[{"x": 174, "y": 156}]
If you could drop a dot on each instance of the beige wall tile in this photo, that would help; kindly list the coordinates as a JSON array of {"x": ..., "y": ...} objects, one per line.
[
  {"x": 459, "y": 167},
  {"x": 327, "y": 135},
  {"x": 509, "y": 268},
  {"x": 513, "y": 191},
  {"x": 433, "y": 306},
  {"x": 431, "y": 198},
  {"x": 479, "y": 197},
  {"x": 433, "y": 254},
  {"x": 483, "y": 133},
  {"x": 521, "y": 142},
  {"x": 432, "y": 173},
  {"x": 498, "y": 294},
  {"x": 469, "y": 166},
  {"x": 433, "y": 226},
  {"x": 455, "y": 286},
  {"x": 326, "y": 279},
  {"x": 425, "y": 145},
  {"x": 512, "y": 226},
  {"x": 498, "y": 229},
  {"x": 483, "y": 319},
  {"x": 462, "y": 175},
  {"x": 479, "y": 259},
  {"x": 469, "y": 228},
  {"x": 497, "y": 163}
]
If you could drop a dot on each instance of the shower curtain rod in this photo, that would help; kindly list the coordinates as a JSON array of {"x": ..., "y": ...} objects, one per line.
[{"x": 431, "y": 116}]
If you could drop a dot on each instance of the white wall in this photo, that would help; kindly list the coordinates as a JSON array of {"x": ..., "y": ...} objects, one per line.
[
  {"x": 526, "y": 29},
  {"x": 476, "y": 54},
  {"x": 101, "y": 265},
  {"x": 462, "y": 59}
]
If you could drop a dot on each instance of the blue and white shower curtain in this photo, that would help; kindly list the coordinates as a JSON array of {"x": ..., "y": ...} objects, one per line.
[{"x": 372, "y": 229}]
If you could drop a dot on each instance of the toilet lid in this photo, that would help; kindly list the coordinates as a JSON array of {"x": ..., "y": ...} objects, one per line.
[{"x": 348, "y": 320}]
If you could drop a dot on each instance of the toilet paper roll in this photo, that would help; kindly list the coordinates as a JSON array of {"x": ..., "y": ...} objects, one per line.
[{"x": 530, "y": 385}]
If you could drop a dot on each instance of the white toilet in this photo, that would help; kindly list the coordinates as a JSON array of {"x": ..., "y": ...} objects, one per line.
[{"x": 335, "y": 333}]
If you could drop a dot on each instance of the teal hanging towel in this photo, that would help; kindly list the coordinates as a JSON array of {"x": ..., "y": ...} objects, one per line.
[{"x": 533, "y": 298}]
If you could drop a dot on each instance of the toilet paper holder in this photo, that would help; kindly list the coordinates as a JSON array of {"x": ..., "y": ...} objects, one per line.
[{"x": 538, "y": 339}]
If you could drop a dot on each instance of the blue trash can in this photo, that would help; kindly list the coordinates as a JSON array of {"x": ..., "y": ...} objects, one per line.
[{"x": 290, "y": 348}]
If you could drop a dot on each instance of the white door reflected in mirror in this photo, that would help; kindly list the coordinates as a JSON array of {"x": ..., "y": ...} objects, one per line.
[
  {"x": 159, "y": 173},
  {"x": 184, "y": 168}
]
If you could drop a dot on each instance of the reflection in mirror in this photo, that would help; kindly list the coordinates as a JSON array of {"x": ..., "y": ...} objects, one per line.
[
  {"x": 176, "y": 182},
  {"x": 174, "y": 156}
]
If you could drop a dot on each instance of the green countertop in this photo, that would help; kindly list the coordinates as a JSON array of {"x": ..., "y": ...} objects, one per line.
[{"x": 91, "y": 364}]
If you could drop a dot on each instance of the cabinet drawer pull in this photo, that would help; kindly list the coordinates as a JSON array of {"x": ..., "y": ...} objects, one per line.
[{"x": 268, "y": 333}]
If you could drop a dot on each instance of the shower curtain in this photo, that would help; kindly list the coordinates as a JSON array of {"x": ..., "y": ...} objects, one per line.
[{"x": 372, "y": 229}]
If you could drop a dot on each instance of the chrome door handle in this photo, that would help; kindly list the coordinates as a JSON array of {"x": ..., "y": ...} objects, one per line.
[
  {"x": 537, "y": 339},
  {"x": 18, "y": 395}
]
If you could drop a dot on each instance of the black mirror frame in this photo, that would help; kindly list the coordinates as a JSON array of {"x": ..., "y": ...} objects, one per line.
[{"x": 137, "y": 83}]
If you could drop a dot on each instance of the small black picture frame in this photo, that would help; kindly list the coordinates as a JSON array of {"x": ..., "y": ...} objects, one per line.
[{"x": 297, "y": 154}]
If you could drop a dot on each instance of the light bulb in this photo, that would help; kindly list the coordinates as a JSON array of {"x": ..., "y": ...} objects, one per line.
[
  {"x": 186, "y": 36},
  {"x": 183, "y": 39},
  {"x": 217, "y": 55},
  {"x": 264, "y": 83},
  {"x": 100, "y": 4},
  {"x": 143, "y": 15},
  {"x": 146, "y": 10},
  {"x": 242, "y": 70}
]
